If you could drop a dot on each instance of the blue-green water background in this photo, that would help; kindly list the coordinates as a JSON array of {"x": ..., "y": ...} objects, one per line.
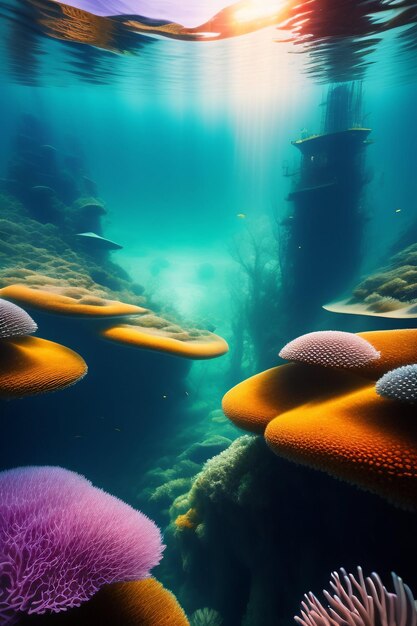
[{"x": 189, "y": 146}]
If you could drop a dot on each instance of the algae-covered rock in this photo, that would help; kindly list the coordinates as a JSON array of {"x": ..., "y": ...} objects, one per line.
[
  {"x": 202, "y": 451},
  {"x": 390, "y": 292},
  {"x": 254, "y": 531}
]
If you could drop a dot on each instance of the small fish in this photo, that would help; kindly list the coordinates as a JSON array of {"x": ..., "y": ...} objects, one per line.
[
  {"x": 119, "y": 430},
  {"x": 164, "y": 397},
  {"x": 241, "y": 216},
  {"x": 398, "y": 210},
  {"x": 78, "y": 436}
]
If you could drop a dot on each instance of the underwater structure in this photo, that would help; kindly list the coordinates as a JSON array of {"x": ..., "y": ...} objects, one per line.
[{"x": 321, "y": 237}]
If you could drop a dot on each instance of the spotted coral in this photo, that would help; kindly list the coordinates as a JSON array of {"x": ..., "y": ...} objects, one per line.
[
  {"x": 330, "y": 348},
  {"x": 61, "y": 540},
  {"x": 399, "y": 384},
  {"x": 14, "y": 321}
]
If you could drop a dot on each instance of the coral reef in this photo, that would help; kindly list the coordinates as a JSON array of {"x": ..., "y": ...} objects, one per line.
[
  {"x": 391, "y": 292},
  {"x": 337, "y": 422},
  {"x": 139, "y": 603},
  {"x": 61, "y": 540},
  {"x": 29, "y": 248},
  {"x": 360, "y": 601},
  {"x": 399, "y": 384},
  {"x": 30, "y": 366},
  {"x": 330, "y": 348},
  {"x": 14, "y": 321}
]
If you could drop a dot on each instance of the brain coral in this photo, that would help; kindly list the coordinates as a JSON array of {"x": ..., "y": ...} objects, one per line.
[
  {"x": 330, "y": 348},
  {"x": 361, "y": 602},
  {"x": 61, "y": 540},
  {"x": 399, "y": 384},
  {"x": 14, "y": 321}
]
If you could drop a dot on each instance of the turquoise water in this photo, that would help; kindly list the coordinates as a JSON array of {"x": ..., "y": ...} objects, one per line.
[{"x": 185, "y": 150}]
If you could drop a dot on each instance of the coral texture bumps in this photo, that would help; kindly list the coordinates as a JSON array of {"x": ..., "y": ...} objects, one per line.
[
  {"x": 14, "y": 321},
  {"x": 399, "y": 384},
  {"x": 62, "y": 539},
  {"x": 330, "y": 348}
]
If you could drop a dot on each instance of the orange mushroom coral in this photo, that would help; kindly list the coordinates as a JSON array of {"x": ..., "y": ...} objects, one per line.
[
  {"x": 139, "y": 603},
  {"x": 335, "y": 421},
  {"x": 29, "y": 366},
  {"x": 397, "y": 348},
  {"x": 154, "y": 333},
  {"x": 358, "y": 437},
  {"x": 65, "y": 300},
  {"x": 253, "y": 403}
]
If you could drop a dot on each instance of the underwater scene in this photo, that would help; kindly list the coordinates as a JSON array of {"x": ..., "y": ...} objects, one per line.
[{"x": 208, "y": 313}]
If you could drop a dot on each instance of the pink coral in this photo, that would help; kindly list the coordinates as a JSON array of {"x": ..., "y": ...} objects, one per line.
[
  {"x": 61, "y": 540},
  {"x": 330, "y": 348},
  {"x": 14, "y": 321},
  {"x": 360, "y": 602}
]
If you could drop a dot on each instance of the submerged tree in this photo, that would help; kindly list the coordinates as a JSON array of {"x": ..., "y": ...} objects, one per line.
[{"x": 255, "y": 300}]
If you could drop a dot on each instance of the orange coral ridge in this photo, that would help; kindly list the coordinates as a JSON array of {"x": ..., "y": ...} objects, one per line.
[
  {"x": 397, "y": 348},
  {"x": 355, "y": 437},
  {"x": 202, "y": 347},
  {"x": 51, "y": 301},
  {"x": 29, "y": 365},
  {"x": 139, "y": 603},
  {"x": 334, "y": 420},
  {"x": 253, "y": 403}
]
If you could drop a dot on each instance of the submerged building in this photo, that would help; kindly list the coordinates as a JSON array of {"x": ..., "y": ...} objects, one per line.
[{"x": 321, "y": 237}]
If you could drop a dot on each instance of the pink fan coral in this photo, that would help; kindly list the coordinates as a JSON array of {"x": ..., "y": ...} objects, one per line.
[
  {"x": 360, "y": 602},
  {"x": 61, "y": 540},
  {"x": 14, "y": 321},
  {"x": 330, "y": 348}
]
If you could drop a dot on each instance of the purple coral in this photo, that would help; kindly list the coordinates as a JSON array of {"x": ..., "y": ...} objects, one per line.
[
  {"x": 14, "y": 321},
  {"x": 360, "y": 602},
  {"x": 330, "y": 348},
  {"x": 61, "y": 539}
]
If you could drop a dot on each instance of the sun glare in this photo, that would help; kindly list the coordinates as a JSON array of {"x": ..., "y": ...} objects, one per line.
[{"x": 259, "y": 10}]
